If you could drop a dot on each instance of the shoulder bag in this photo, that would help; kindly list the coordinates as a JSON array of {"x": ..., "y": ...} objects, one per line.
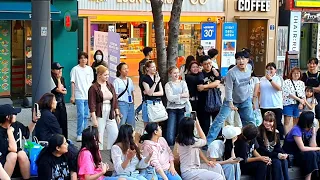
[{"x": 121, "y": 94}]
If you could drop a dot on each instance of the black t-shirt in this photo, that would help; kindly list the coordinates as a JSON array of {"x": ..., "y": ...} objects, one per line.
[
  {"x": 192, "y": 81},
  {"x": 53, "y": 168},
  {"x": 244, "y": 149},
  {"x": 4, "y": 144},
  {"x": 312, "y": 80},
  {"x": 207, "y": 78},
  {"x": 147, "y": 79}
]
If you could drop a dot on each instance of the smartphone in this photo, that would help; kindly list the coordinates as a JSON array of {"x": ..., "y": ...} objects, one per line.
[
  {"x": 267, "y": 71},
  {"x": 193, "y": 115},
  {"x": 36, "y": 107},
  {"x": 238, "y": 159}
]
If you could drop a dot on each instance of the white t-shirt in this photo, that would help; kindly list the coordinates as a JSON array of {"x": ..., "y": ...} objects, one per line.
[
  {"x": 270, "y": 98},
  {"x": 253, "y": 82},
  {"x": 82, "y": 78},
  {"x": 120, "y": 86},
  {"x": 216, "y": 149}
]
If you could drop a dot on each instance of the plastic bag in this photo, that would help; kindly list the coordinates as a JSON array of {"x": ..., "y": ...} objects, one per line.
[
  {"x": 257, "y": 117},
  {"x": 33, "y": 150}
]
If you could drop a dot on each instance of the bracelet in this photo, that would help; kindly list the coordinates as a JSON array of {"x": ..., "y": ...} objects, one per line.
[{"x": 34, "y": 121}]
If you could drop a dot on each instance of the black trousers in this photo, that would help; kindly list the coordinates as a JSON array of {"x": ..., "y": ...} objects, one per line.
[
  {"x": 204, "y": 119},
  {"x": 278, "y": 113},
  {"x": 61, "y": 115},
  {"x": 257, "y": 169}
]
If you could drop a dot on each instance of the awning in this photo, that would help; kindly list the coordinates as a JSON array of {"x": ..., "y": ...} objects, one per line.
[{"x": 22, "y": 11}]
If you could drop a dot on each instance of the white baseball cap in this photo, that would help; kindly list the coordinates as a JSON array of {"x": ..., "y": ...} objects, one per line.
[{"x": 230, "y": 132}]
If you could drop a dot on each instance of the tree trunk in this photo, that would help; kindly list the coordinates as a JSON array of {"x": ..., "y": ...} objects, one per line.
[
  {"x": 158, "y": 23},
  {"x": 174, "y": 24}
]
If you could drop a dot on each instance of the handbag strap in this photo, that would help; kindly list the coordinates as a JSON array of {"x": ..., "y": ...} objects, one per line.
[
  {"x": 294, "y": 86},
  {"x": 124, "y": 90}
]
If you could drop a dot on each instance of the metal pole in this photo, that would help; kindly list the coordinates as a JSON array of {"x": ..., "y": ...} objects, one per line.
[{"x": 41, "y": 48}]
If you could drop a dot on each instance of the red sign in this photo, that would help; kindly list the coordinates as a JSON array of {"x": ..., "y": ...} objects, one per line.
[{"x": 67, "y": 22}]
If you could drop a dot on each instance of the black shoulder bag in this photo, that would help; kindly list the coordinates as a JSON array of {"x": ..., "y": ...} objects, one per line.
[
  {"x": 124, "y": 90},
  {"x": 295, "y": 90}
]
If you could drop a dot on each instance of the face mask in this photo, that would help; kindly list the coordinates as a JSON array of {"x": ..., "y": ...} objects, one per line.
[{"x": 99, "y": 57}]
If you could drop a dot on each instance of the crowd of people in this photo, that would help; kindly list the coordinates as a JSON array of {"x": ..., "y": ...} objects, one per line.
[{"x": 243, "y": 134}]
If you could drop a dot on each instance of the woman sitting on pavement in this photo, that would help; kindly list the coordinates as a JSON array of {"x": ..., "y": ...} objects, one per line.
[
  {"x": 11, "y": 134},
  {"x": 90, "y": 165},
  {"x": 222, "y": 152},
  {"x": 162, "y": 157},
  {"x": 246, "y": 148},
  {"x": 3, "y": 174},
  {"x": 126, "y": 155},
  {"x": 269, "y": 145},
  {"x": 301, "y": 142},
  {"x": 52, "y": 161},
  {"x": 190, "y": 153}
]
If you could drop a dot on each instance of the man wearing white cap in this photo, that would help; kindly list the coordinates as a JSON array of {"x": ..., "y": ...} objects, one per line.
[{"x": 222, "y": 152}]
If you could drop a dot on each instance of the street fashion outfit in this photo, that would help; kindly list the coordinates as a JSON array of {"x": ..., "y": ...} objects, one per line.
[
  {"x": 124, "y": 90},
  {"x": 203, "y": 115},
  {"x": 244, "y": 150},
  {"x": 149, "y": 99},
  {"x": 237, "y": 91},
  {"x": 52, "y": 167},
  {"x": 131, "y": 172},
  {"x": 272, "y": 100},
  {"x": 290, "y": 105},
  {"x": 190, "y": 165},
  {"x": 313, "y": 80},
  {"x": 175, "y": 108},
  {"x": 60, "y": 111},
  {"x": 217, "y": 150},
  {"x": 82, "y": 79},
  {"x": 279, "y": 167},
  {"x": 161, "y": 157},
  {"x": 308, "y": 161},
  {"x": 103, "y": 101}
]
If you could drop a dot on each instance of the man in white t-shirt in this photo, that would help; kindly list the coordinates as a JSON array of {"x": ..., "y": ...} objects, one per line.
[{"x": 81, "y": 80}]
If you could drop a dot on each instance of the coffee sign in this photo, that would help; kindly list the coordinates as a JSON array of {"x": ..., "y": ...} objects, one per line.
[{"x": 254, "y": 5}]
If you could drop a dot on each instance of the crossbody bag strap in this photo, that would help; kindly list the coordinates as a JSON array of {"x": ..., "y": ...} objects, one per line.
[
  {"x": 124, "y": 90},
  {"x": 294, "y": 86}
]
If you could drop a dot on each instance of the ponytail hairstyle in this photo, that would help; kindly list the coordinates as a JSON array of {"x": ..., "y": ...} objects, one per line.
[
  {"x": 119, "y": 67},
  {"x": 149, "y": 130},
  {"x": 147, "y": 65}
]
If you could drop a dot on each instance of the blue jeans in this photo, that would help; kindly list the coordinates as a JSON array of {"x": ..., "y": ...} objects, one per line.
[
  {"x": 110, "y": 178},
  {"x": 135, "y": 177},
  {"x": 82, "y": 115},
  {"x": 280, "y": 169},
  {"x": 127, "y": 111},
  {"x": 169, "y": 176},
  {"x": 232, "y": 171},
  {"x": 174, "y": 118},
  {"x": 245, "y": 111}
]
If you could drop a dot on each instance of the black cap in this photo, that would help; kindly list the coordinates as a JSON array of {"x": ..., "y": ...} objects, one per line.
[
  {"x": 56, "y": 65},
  {"x": 200, "y": 47},
  {"x": 7, "y": 109}
]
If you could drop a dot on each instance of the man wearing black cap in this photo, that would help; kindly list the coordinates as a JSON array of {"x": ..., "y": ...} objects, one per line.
[
  {"x": 59, "y": 91},
  {"x": 12, "y": 134}
]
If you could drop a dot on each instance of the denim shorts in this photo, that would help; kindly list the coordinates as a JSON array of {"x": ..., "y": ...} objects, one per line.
[{"x": 291, "y": 110}]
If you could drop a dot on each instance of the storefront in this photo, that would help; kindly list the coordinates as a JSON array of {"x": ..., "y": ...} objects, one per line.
[
  {"x": 16, "y": 45},
  {"x": 257, "y": 25},
  {"x": 302, "y": 19},
  {"x": 134, "y": 22}
]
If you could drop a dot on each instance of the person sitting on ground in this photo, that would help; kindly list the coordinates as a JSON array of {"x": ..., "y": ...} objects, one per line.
[
  {"x": 162, "y": 157},
  {"x": 252, "y": 162},
  {"x": 301, "y": 143},
  {"x": 52, "y": 161},
  {"x": 3, "y": 174},
  {"x": 269, "y": 145},
  {"x": 48, "y": 124},
  {"x": 190, "y": 153},
  {"x": 12, "y": 133},
  {"x": 126, "y": 155},
  {"x": 90, "y": 165},
  {"x": 222, "y": 152}
]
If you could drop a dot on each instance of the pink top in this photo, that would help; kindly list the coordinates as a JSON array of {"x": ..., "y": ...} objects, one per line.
[
  {"x": 86, "y": 165},
  {"x": 162, "y": 154}
]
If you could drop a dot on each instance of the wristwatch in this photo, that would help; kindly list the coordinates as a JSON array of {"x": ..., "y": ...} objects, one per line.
[
  {"x": 34, "y": 121},
  {"x": 270, "y": 80}
]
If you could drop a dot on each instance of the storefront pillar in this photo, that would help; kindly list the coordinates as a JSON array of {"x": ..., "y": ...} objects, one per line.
[{"x": 41, "y": 48}]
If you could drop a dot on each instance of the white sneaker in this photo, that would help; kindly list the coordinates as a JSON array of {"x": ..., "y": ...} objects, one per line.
[{"x": 79, "y": 138}]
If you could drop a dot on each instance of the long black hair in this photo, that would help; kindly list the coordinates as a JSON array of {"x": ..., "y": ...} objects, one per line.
[
  {"x": 125, "y": 137},
  {"x": 188, "y": 61},
  {"x": 55, "y": 141},
  {"x": 90, "y": 141},
  {"x": 95, "y": 56},
  {"x": 149, "y": 129},
  {"x": 118, "y": 73},
  {"x": 306, "y": 119},
  {"x": 185, "y": 135}
]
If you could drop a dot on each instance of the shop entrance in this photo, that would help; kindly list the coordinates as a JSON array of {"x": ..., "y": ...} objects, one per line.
[
  {"x": 253, "y": 35},
  {"x": 308, "y": 43}
]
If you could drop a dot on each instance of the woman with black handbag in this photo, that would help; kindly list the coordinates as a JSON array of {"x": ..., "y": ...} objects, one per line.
[{"x": 209, "y": 80}]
